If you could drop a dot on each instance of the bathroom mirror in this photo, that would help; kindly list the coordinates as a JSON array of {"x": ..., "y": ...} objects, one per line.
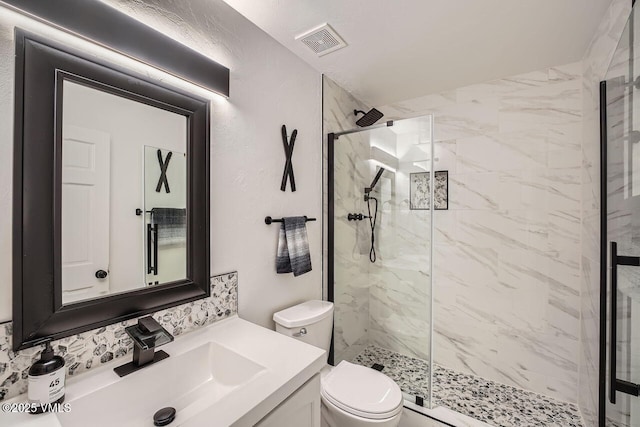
[
  {"x": 114, "y": 184},
  {"x": 111, "y": 194}
]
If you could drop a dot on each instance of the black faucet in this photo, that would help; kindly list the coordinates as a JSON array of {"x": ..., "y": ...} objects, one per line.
[{"x": 146, "y": 336}]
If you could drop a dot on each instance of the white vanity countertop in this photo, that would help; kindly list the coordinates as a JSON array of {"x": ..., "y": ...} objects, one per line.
[{"x": 288, "y": 365}]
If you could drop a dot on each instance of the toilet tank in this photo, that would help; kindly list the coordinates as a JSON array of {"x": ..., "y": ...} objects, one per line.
[{"x": 311, "y": 322}]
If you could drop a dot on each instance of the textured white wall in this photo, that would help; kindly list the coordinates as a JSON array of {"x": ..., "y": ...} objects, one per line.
[{"x": 269, "y": 87}]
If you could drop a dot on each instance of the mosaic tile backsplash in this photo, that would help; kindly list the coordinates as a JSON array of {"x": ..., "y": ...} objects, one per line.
[{"x": 90, "y": 349}]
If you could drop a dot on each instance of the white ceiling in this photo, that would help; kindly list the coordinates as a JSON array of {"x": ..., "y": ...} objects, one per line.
[{"x": 402, "y": 49}]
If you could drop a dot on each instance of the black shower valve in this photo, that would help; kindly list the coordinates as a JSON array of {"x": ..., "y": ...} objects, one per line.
[{"x": 358, "y": 217}]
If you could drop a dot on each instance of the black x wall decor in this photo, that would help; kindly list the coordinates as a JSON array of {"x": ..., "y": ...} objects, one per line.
[
  {"x": 164, "y": 164},
  {"x": 288, "y": 165}
]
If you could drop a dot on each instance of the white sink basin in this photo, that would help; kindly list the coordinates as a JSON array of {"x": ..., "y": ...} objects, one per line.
[
  {"x": 188, "y": 382},
  {"x": 230, "y": 373}
]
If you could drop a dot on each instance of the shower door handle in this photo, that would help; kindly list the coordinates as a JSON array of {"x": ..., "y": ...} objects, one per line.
[
  {"x": 615, "y": 383},
  {"x": 152, "y": 249},
  {"x": 155, "y": 249}
]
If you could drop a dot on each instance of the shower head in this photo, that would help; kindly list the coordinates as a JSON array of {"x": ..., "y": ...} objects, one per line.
[
  {"x": 369, "y": 118},
  {"x": 368, "y": 190}
]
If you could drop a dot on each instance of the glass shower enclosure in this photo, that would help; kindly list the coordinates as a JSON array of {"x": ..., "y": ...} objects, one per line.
[
  {"x": 620, "y": 240},
  {"x": 380, "y": 260}
]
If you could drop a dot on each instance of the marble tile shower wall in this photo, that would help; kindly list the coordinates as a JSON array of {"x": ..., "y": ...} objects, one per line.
[
  {"x": 351, "y": 299},
  {"x": 596, "y": 61},
  {"x": 93, "y": 348},
  {"x": 507, "y": 252}
]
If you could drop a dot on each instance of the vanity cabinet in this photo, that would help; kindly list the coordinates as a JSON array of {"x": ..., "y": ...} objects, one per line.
[{"x": 301, "y": 409}]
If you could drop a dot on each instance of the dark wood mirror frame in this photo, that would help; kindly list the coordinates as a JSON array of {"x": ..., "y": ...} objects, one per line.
[{"x": 38, "y": 312}]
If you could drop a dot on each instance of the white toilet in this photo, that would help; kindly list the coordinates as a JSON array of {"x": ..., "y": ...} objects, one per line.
[{"x": 352, "y": 395}]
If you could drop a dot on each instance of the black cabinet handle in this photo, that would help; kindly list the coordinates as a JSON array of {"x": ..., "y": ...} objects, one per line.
[{"x": 101, "y": 274}]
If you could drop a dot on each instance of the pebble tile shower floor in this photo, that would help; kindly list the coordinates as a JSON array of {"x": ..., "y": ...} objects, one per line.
[{"x": 493, "y": 403}]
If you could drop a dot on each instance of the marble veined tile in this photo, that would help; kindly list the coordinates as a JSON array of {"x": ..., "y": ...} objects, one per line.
[
  {"x": 446, "y": 227},
  {"x": 502, "y": 152},
  {"x": 337, "y": 115},
  {"x": 503, "y": 86},
  {"x": 474, "y": 191},
  {"x": 445, "y": 156},
  {"x": 563, "y": 136},
  {"x": 565, "y": 158},
  {"x": 541, "y": 189},
  {"x": 591, "y": 178},
  {"x": 479, "y": 264},
  {"x": 549, "y": 356},
  {"x": 572, "y": 71},
  {"x": 565, "y": 230},
  {"x": 521, "y": 267},
  {"x": 419, "y": 106},
  {"x": 548, "y": 105},
  {"x": 464, "y": 120},
  {"x": 504, "y": 230},
  {"x": 589, "y": 393},
  {"x": 338, "y": 106}
]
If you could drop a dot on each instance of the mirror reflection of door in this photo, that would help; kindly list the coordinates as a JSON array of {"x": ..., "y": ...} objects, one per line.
[
  {"x": 85, "y": 213},
  {"x": 104, "y": 239}
]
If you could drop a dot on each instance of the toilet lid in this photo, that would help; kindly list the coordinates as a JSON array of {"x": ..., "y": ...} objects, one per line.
[{"x": 362, "y": 391}]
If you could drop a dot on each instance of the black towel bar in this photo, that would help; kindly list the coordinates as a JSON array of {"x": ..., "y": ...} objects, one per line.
[{"x": 269, "y": 220}]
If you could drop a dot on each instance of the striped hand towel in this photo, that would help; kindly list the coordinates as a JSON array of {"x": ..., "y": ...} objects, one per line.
[
  {"x": 172, "y": 225},
  {"x": 293, "y": 247}
]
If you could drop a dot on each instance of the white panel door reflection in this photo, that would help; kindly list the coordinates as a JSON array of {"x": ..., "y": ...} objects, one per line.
[{"x": 85, "y": 213}]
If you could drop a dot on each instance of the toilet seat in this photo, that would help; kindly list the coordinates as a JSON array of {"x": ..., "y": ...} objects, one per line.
[{"x": 362, "y": 391}]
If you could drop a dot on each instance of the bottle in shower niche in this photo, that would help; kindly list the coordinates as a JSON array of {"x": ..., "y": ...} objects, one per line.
[{"x": 46, "y": 380}]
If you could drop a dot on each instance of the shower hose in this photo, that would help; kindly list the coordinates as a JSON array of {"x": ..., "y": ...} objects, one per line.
[{"x": 372, "y": 223}]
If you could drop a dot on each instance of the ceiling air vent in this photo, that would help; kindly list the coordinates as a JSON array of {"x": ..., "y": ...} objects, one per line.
[{"x": 322, "y": 40}]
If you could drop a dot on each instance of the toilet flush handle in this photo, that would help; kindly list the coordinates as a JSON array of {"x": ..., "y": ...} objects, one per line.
[{"x": 303, "y": 331}]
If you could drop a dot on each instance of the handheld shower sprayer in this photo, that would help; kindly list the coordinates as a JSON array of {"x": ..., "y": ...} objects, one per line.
[
  {"x": 373, "y": 218},
  {"x": 370, "y": 188}
]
